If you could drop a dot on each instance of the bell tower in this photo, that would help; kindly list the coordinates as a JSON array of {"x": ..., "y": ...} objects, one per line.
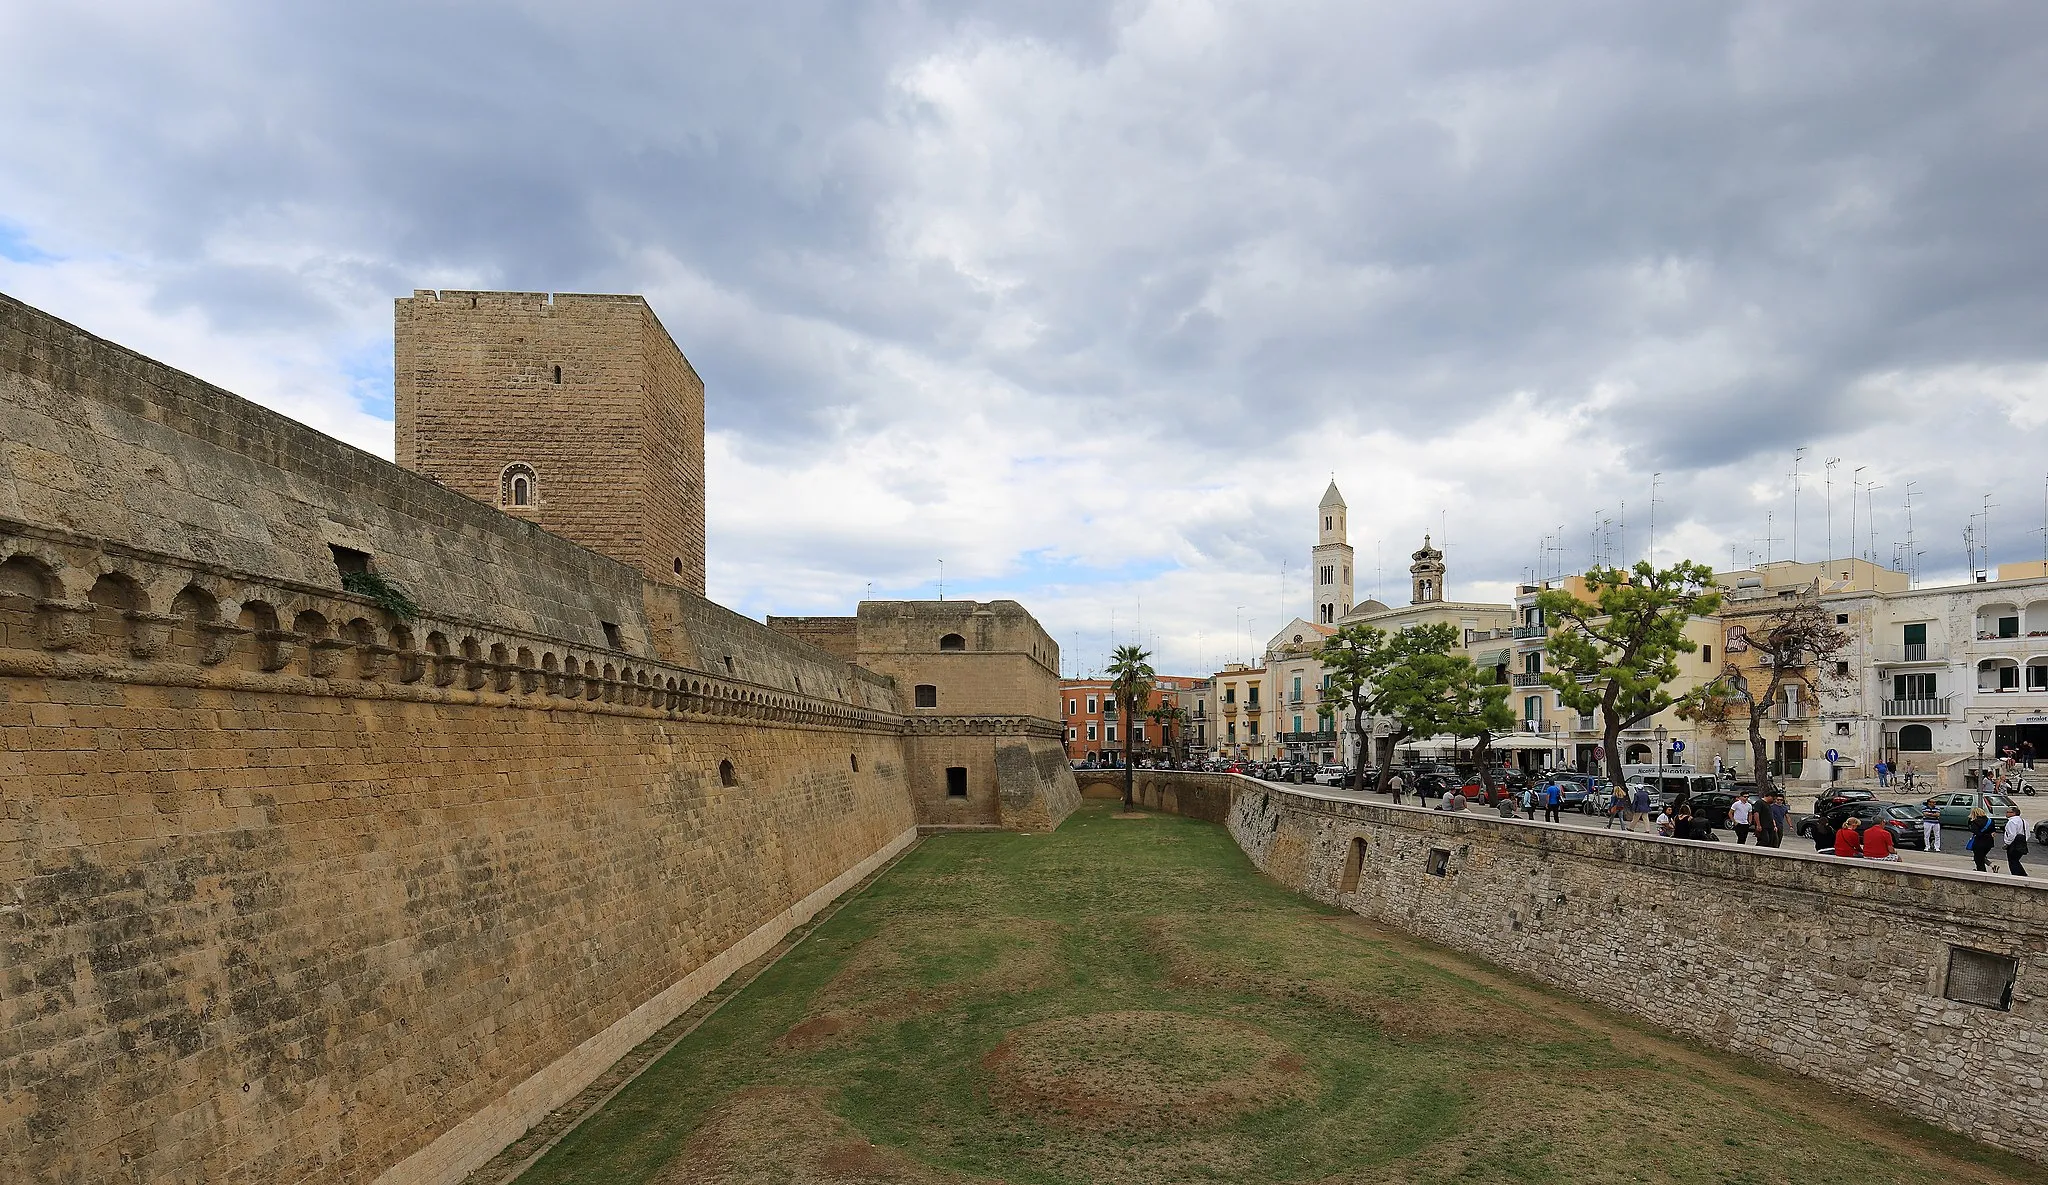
[
  {"x": 1426, "y": 575},
  {"x": 1330, "y": 560}
]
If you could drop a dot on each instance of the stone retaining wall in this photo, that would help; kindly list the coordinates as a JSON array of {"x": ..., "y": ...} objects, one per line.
[{"x": 1840, "y": 971}]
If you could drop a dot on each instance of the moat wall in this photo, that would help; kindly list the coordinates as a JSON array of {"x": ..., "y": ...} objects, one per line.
[
  {"x": 296, "y": 889},
  {"x": 1834, "y": 970}
]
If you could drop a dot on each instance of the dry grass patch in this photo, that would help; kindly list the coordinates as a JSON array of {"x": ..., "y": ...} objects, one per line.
[
  {"x": 789, "y": 1136},
  {"x": 911, "y": 966},
  {"x": 1309, "y": 960},
  {"x": 1107, "y": 1070}
]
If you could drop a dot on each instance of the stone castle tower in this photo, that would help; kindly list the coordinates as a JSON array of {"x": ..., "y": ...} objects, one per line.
[
  {"x": 574, "y": 412},
  {"x": 1426, "y": 574},
  {"x": 1330, "y": 561}
]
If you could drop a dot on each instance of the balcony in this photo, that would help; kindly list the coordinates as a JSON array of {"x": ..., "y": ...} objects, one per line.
[
  {"x": 1252, "y": 708},
  {"x": 1531, "y": 631},
  {"x": 1527, "y": 679},
  {"x": 1229, "y": 708},
  {"x": 1308, "y": 738},
  {"x": 1585, "y": 724},
  {"x": 1908, "y": 653},
  {"x": 1909, "y": 708}
]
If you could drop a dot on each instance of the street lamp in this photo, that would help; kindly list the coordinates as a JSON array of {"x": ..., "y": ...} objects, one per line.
[
  {"x": 1983, "y": 737},
  {"x": 1662, "y": 734}
]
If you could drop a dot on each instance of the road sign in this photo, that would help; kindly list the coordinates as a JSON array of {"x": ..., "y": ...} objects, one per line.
[
  {"x": 1678, "y": 746},
  {"x": 1833, "y": 756}
]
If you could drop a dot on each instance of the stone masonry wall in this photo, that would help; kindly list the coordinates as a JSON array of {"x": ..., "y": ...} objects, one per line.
[
  {"x": 588, "y": 390},
  {"x": 1832, "y": 969},
  {"x": 292, "y": 888}
]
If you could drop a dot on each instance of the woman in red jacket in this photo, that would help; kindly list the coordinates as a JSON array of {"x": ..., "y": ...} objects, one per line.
[{"x": 1848, "y": 841}]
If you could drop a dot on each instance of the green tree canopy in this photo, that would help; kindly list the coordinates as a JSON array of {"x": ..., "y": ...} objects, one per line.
[
  {"x": 1407, "y": 676},
  {"x": 1616, "y": 655}
]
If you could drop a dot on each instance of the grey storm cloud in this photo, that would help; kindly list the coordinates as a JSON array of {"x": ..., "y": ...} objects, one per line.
[{"x": 1710, "y": 232}]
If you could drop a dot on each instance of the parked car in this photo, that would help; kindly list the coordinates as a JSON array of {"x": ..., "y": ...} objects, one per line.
[
  {"x": 1957, "y": 805},
  {"x": 1332, "y": 775},
  {"x": 1901, "y": 820},
  {"x": 1842, "y": 797}
]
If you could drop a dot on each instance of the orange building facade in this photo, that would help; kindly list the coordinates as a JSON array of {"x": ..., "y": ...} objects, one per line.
[{"x": 1095, "y": 728}]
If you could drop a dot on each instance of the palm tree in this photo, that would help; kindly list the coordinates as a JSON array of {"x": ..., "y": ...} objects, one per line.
[{"x": 1130, "y": 684}]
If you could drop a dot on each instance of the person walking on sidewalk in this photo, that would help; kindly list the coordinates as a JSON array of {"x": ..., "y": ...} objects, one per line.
[
  {"x": 1617, "y": 808},
  {"x": 1529, "y": 803},
  {"x": 1553, "y": 802},
  {"x": 1639, "y": 806},
  {"x": 1770, "y": 821},
  {"x": 1738, "y": 817},
  {"x": 1983, "y": 833},
  {"x": 2015, "y": 840},
  {"x": 1930, "y": 825}
]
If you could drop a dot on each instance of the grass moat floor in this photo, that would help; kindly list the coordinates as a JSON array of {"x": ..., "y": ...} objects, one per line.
[{"x": 1126, "y": 1000}]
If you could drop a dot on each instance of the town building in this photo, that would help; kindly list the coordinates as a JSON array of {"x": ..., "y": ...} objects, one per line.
[{"x": 1094, "y": 725}]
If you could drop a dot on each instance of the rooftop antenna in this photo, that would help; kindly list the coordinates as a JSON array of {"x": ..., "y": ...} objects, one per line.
[
  {"x": 1240, "y": 634},
  {"x": 1870, "y": 505},
  {"x": 1828, "y": 469},
  {"x": 1798, "y": 459},
  {"x": 2044, "y": 524},
  {"x": 1989, "y": 571},
  {"x": 1593, "y": 538},
  {"x": 1912, "y": 563},
  {"x": 1767, "y": 538},
  {"x": 1621, "y": 529},
  {"x": 942, "y": 580},
  {"x": 1655, "y": 480},
  {"x": 1855, "y": 493}
]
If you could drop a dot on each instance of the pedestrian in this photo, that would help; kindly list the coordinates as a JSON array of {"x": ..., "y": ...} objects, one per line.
[
  {"x": 1983, "y": 833},
  {"x": 1877, "y": 843},
  {"x": 1738, "y": 817},
  {"x": 2027, "y": 754},
  {"x": 1529, "y": 803},
  {"x": 1884, "y": 773},
  {"x": 1682, "y": 821},
  {"x": 1506, "y": 807},
  {"x": 2015, "y": 840},
  {"x": 1930, "y": 825},
  {"x": 1848, "y": 840},
  {"x": 1553, "y": 802},
  {"x": 1778, "y": 811},
  {"x": 1617, "y": 808},
  {"x": 1910, "y": 775},
  {"x": 1394, "y": 785}
]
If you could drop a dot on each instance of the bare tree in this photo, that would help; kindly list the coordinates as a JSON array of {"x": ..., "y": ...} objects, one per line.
[{"x": 1795, "y": 644}]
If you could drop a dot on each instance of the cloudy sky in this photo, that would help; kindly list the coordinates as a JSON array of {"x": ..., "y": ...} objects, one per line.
[{"x": 1088, "y": 301}]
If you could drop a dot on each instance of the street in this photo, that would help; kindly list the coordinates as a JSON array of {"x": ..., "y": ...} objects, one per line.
[{"x": 1952, "y": 858}]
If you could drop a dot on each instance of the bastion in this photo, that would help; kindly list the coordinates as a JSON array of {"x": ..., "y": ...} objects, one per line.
[{"x": 354, "y": 816}]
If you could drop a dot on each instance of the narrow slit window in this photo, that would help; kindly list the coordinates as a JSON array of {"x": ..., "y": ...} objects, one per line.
[{"x": 727, "y": 776}]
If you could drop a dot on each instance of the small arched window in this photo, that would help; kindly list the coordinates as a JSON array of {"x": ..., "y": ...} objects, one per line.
[
  {"x": 519, "y": 485},
  {"x": 952, "y": 642},
  {"x": 726, "y": 774}
]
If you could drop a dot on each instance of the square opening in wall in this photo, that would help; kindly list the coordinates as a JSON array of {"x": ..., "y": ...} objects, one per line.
[
  {"x": 1439, "y": 862},
  {"x": 611, "y": 635},
  {"x": 956, "y": 781},
  {"x": 925, "y": 695},
  {"x": 1980, "y": 977},
  {"x": 350, "y": 561}
]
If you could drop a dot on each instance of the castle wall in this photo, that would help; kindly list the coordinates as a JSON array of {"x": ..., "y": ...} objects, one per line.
[
  {"x": 1836, "y": 970},
  {"x": 587, "y": 389},
  {"x": 293, "y": 888}
]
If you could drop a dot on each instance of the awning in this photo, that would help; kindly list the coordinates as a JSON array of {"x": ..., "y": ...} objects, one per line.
[
  {"x": 1523, "y": 740},
  {"x": 1491, "y": 658}
]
